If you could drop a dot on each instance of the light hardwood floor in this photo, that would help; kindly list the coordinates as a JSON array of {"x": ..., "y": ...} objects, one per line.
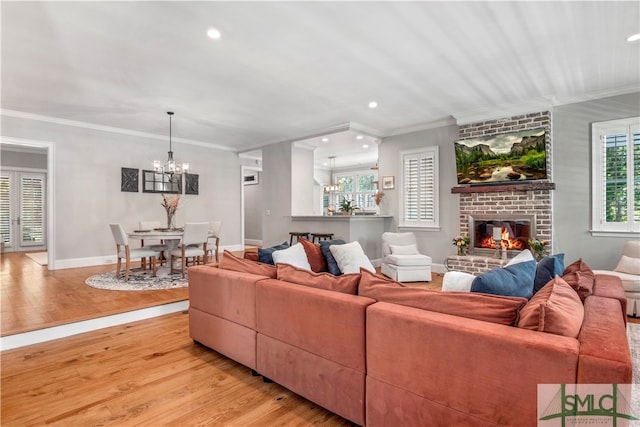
[{"x": 32, "y": 297}]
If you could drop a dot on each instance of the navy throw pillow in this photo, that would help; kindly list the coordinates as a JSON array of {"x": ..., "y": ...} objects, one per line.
[
  {"x": 514, "y": 281},
  {"x": 547, "y": 269},
  {"x": 266, "y": 255},
  {"x": 332, "y": 265}
]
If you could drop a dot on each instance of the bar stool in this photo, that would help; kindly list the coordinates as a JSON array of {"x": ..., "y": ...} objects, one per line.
[
  {"x": 297, "y": 235},
  {"x": 321, "y": 236}
]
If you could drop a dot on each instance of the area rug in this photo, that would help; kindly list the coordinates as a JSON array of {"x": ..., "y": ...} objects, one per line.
[
  {"x": 633, "y": 335},
  {"x": 39, "y": 257},
  {"x": 139, "y": 280}
]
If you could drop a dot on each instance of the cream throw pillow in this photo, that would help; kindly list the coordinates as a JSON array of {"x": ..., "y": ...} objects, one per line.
[
  {"x": 457, "y": 281},
  {"x": 350, "y": 257},
  {"x": 294, "y": 255}
]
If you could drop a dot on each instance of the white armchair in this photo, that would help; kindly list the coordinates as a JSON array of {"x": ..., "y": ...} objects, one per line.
[
  {"x": 401, "y": 260},
  {"x": 628, "y": 270}
]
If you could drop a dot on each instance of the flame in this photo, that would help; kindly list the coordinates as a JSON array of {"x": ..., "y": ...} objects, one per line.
[{"x": 506, "y": 241}]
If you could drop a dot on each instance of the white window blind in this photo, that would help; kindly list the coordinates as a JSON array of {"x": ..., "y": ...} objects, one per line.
[
  {"x": 5, "y": 209},
  {"x": 616, "y": 176},
  {"x": 419, "y": 205},
  {"x": 357, "y": 186},
  {"x": 32, "y": 210}
]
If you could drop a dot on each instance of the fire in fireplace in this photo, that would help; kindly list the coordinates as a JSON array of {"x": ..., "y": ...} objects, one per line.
[{"x": 515, "y": 232}]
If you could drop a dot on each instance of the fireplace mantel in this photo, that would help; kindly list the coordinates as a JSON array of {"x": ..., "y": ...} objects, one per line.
[{"x": 501, "y": 188}]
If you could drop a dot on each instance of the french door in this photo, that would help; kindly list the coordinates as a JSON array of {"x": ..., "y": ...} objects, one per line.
[{"x": 22, "y": 210}]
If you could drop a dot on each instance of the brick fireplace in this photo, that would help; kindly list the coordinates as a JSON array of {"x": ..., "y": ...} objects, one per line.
[{"x": 524, "y": 209}]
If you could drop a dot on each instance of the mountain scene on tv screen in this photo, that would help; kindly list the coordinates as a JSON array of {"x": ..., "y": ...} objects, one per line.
[{"x": 517, "y": 156}]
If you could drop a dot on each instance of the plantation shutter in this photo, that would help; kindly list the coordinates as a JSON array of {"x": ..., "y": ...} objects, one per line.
[
  {"x": 419, "y": 189},
  {"x": 5, "y": 209},
  {"x": 32, "y": 210},
  {"x": 616, "y": 176}
]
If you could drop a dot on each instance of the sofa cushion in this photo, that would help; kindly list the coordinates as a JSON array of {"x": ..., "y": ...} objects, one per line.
[
  {"x": 294, "y": 255},
  {"x": 547, "y": 269},
  {"x": 346, "y": 283},
  {"x": 332, "y": 265},
  {"x": 489, "y": 308},
  {"x": 628, "y": 265},
  {"x": 265, "y": 255},
  {"x": 523, "y": 256},
  {"x": 514, "y": 280},
  {"x": 404, "y": 249},
  {"x": 314, "y": 254},
  {"x": 555, "y": 309},
  {"x": 350, "y": 257},
  {"x": 231, "y": 262},
  {"x": 580, "y": 277},
  {"x": 408, "y": 260}
]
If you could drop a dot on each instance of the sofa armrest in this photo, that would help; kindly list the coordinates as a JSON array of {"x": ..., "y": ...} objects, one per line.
[
  {"x": 605, "y": 357},
  {"x": 610, "y": 286}
]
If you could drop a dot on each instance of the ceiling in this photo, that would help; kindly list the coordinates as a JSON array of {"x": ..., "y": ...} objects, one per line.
[{"x": 287, "y": 71}]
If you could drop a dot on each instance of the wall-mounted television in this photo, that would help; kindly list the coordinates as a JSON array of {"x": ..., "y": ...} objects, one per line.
[{"x": 509, "y": 157}]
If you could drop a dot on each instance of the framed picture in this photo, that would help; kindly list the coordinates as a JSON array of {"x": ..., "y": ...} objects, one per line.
[
  {"x": 129, "y": 180},
  {"x": 191, "y": 183},
  {"x": 250, "y": 178},
  {"x": 388, "y": 183}
]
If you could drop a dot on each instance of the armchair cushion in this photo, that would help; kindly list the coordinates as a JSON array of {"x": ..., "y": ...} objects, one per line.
[
  {"x": 628, "y": 265},
  {"x": 404, "y": 249},
  {"x": 408, "y": 260}
]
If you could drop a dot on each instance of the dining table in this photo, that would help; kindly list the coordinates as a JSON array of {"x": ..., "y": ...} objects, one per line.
[{"x": 170, "y": 236}]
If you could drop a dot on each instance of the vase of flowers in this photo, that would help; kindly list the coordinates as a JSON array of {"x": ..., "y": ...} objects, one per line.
[
  {"x": 537, "y": 248},
  {"x": 347, "y": 207},
  {"x": 170, "y": 204},
  {"x": 462, "y": 244}
]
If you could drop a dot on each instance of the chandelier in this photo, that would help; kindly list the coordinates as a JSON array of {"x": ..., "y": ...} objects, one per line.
[
  {"x": 170, "y": 167},
  {"x": 331, "y": 188}
]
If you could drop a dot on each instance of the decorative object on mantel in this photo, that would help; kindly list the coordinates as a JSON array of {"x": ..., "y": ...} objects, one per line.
[
  {"x": 503, "y": 188},
  {"x": 171, "y": 206},
  {"x": 191, "y": 183},
  {"x": 129, "y": 180},
  {"x": 538, "y": 248},
  {"x": 388, "y": 182},
  {"x": 462, "y": 244},
  {"x": 170, "y": 167}
]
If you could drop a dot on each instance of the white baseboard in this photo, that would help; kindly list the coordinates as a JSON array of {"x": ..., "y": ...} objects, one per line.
[{"x": 48, "y": 334}]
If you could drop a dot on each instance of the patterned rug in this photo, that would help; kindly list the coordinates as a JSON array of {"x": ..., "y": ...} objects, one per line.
[
  {"x": 139, "y": 280},
  {"x": 633, "y": 335}
]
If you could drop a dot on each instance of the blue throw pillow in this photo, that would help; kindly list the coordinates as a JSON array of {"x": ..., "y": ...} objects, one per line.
[
  {"x": 266, "y": 255},
  {"x": 547, "y": 269},
  {"x": 332, "y": 265},
  {"x": 515, "y": 280}
]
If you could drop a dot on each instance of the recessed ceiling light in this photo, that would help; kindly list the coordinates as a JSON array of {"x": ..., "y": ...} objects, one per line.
[
  {"x": 359, "y": 137},
  {"x": 365, "y": 146},
  {"x": 213, "y": 33},
  {"x": 633, "y": 38},
  {"x": 325, "y": 139},
  {"x": 373, "y": 104}
]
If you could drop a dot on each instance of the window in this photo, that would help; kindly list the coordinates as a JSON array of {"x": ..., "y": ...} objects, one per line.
[
  {"x": 419, "y": 196},
  {"x": 357, "y": 186},
  {"x": 616, "y": 176}
]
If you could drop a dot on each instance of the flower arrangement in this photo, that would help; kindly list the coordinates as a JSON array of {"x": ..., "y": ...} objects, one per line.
[
  {"x": 461, "y": 242},
  {"x": 170, "y": 204},
  {"x": 346, "y": 206},
  {"x": 538, "y": 247},
  {"x": 378, "y": 197}
]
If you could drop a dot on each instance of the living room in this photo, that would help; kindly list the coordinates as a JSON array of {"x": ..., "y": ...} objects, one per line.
[{"x": 87, "y": 144}]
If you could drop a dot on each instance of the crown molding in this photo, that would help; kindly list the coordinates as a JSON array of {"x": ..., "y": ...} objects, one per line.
[
  {"x": 446, "y": 121},
  {"x": 102, "y": 128}
]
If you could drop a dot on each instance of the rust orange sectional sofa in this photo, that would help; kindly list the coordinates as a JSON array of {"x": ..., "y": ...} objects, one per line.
[{"x": 389, "y": 357}]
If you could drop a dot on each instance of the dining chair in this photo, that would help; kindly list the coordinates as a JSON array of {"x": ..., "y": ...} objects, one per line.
[
  {"x": 214, "y": 233},
  {"x": 158, "y": 247},
  {"x": 123, "y": 251},
  {"x": 193, "y": 244}
]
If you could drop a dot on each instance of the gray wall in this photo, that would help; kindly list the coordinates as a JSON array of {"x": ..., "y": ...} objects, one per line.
[
  {"x": 276, "y": 196},
  {"x": 87, "y": 182},
  {"x": 253, "y": 210},
  {"x": 572, "y": 175},
  {"x": 436, "y": 244},
  {"x": 17, "y": 159}
]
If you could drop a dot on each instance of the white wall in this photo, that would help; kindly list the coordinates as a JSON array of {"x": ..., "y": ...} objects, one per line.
[
  {"x": 87, "y": 182},
  {"x": 572, "y": 175},
  {"x": 276, "y": 194},
  {"x": 253, "y": 211},
  {"x": 302, "y": 193}
]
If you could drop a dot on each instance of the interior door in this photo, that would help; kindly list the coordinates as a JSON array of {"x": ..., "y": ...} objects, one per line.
[{"x": 22, "y": 210}]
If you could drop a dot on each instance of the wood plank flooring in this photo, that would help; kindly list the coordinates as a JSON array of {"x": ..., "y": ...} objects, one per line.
[
  {"x": 144, "y": 373},
  {"x": 32, "y": 297}
]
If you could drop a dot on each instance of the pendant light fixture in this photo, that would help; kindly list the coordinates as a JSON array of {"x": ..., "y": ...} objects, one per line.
[
  {"x": 332, "y": 188},
  {"x": 170, "y": 167}
]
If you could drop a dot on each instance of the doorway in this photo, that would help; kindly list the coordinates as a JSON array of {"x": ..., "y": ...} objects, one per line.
[{"x": 22, "y": 210}]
